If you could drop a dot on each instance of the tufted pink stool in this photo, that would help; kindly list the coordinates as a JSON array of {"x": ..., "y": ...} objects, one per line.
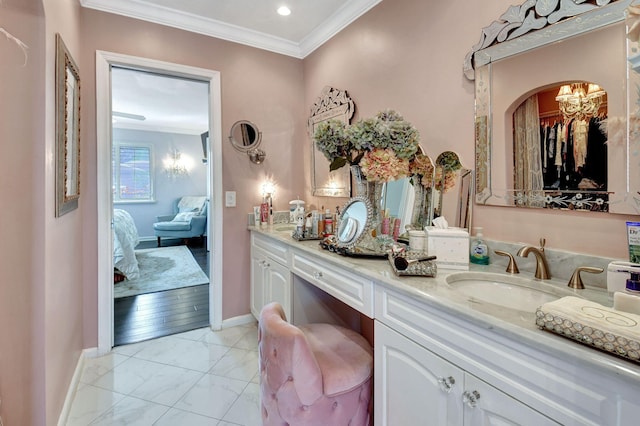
[{"x": 317, "y": 374}]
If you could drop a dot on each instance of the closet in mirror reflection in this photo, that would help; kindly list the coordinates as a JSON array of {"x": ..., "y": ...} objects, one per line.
[{"x": 560, "y": 144}]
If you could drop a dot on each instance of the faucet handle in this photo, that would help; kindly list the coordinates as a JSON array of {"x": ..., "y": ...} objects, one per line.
[
  {"x": 512, "y": 268},
  {"x": 576, "y": 282},
  {"x": 543, "y": 241}
]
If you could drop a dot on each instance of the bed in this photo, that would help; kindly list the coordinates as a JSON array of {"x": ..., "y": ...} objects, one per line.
[{"x": 125, "y": 239}]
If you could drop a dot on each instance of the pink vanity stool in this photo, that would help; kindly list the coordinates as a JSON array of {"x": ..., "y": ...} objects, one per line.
[{"x": 316, "y": 374}]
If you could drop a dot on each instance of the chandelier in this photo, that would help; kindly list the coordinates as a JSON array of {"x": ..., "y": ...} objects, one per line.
[
  {"x": 175, "y": 166},
  {"x": 580, "y": 100}
]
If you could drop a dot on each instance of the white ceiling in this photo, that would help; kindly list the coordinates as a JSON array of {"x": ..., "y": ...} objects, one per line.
[
  {"x": 162, "y": 103},
  {"x": 251, "y": 22},
  {"x": 179, "y": 106}
]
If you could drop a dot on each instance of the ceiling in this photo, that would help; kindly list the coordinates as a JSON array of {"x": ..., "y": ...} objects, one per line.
[
  {"x": 251, "y": 22},
  {"x": 176, "y": 105}
]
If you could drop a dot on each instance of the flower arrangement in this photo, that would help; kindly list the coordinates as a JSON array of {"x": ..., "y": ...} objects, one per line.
[
  {"x": 421, "y": 168},
  {"x": 386, "y": 137},
  {"x": 383, "y": 165},
  {"x": 447, "y": 164}
]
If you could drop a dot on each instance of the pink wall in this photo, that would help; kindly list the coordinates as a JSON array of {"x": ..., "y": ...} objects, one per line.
[
  {"x": 21, "y": 149},
  {"x": 257, "y": 85},
  {"x": 63, "y": 244},
  {"x": 41, "y": 292},
  {"x": 407, "y": 55}
]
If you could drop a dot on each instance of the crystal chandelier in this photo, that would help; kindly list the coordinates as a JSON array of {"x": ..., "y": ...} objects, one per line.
[
  {"x": 576, "y": 102},
  {"x": 175, "y": 166}
]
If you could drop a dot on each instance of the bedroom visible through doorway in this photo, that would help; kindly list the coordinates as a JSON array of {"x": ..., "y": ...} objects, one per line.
[{"x": 161, "y": 195}]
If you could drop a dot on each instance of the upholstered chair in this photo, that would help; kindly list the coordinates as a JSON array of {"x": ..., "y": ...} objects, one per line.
[
  {"x": 189, "y": 220},
  {"x": 316, "y": 374}
]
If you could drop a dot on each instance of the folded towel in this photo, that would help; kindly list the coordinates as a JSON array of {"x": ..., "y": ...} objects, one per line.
[{"x": 593, "y": 324}]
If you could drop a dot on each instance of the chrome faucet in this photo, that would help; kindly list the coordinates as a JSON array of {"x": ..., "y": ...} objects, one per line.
[{"x": 542, "y": 268}]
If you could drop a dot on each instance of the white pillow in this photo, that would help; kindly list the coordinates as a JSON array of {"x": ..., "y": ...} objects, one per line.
[{"x": 183, "y": 217}]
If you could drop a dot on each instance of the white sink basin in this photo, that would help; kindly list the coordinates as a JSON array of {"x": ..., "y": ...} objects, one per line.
[
  {"x": 281, "y": 227},
  {"x": 504, "y": 290}
]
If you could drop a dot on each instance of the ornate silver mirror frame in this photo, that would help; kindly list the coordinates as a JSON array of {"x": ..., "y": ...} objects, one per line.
[
  {"x": 533, "y": 24},
  {"x": 331, "y": 104},
  {"x": 355, "y": 222}
]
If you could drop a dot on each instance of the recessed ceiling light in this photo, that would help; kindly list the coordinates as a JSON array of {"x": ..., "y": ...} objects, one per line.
[{"x": 284, "y": 11}]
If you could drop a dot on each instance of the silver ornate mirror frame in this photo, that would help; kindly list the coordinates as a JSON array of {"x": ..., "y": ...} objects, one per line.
[
  {"x": 355, "y": 222},
  {"x": 331, "y": 104},
  {"x": 533, "y": 24}
]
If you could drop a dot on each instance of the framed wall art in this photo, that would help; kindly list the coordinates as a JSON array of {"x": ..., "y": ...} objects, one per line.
[{"x": 67, "y": 130}]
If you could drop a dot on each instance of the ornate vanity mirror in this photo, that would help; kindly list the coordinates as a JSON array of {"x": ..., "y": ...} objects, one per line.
[
  {"x": 411, "y": 198},
  {"x": 551, "y": 108},
  {"x": 337, "y": 105},
  {"x": 452, "y": 190},
  {"x": 245, "y": 137}
]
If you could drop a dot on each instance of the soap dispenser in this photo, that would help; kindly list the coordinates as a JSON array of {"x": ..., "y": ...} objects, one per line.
[
  {"x": 479, "y": 252},
  {"x": 629, "y": 300}
]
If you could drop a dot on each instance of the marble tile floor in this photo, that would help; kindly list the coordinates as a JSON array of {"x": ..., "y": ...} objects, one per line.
[{"x": 199, "y": 377}]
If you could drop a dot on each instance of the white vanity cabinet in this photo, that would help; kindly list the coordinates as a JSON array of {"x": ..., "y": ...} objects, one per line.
[
  {"x": 414, "y": 386},
  {"x": 270, "y": 275},
  {"x": 438, "y": 364},
  {"x": 516, "y": 382}
]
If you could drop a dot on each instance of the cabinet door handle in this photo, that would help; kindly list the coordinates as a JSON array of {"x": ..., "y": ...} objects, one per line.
[
  {"x": 446, "y": 383},
  {"x": 471, "y": 398},
  {"x": 317, "y": 275},
  {"x": 261, "y": 263},
  {"x": 267, "y": 264}
]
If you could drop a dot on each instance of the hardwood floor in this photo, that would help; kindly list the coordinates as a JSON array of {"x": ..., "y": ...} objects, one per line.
[{"x": 148, "y": 316}]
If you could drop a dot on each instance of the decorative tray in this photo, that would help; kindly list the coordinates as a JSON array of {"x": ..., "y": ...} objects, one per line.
[
  {"x": 331, "y": 245},
  {"x": 423, "y": 268},
  {"x": 594, "y": 325},
  {"x": 299, "y": 237}
]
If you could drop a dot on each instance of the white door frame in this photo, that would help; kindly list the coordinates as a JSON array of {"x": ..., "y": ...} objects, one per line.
[{"x": 104, "y": 61}]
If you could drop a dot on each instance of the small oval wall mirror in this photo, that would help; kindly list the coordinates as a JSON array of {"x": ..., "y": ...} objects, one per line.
[{"x": 245, "y": 136}]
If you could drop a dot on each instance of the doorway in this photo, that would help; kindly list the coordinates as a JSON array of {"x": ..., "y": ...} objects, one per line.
[
  {"x": 159, "y": 170},
  {"x": 105, "y": 63}
]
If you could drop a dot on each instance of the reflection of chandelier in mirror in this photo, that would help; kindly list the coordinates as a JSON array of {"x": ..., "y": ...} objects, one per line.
[
  {"x": 576, "y": 102},
  {"x": 175, "y": 165}
]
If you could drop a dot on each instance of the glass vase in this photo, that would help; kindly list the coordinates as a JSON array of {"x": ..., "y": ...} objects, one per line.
[
  {"x": 421, "y": 214},
  {"x": 370, "y": 190}
]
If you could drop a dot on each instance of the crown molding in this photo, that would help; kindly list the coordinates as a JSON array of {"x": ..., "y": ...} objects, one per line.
[
  {"x": 334, "y": 24},
  {"x": 140, "y": 9}
]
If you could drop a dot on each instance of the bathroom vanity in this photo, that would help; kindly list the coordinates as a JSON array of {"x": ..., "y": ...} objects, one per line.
[{"x": 442, "y": 357}]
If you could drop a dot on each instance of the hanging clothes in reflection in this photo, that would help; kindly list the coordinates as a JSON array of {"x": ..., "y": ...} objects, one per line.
[{"x": 574, "y": 154}]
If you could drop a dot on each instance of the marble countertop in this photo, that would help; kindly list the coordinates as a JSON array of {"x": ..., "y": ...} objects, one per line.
[{"x": 510, "y": 323}]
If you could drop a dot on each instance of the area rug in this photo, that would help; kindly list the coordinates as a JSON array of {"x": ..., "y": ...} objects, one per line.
[{"x": 163, "y": 268}]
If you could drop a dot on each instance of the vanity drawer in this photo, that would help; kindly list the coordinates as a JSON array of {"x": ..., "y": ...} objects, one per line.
[
  {"x": 274, "y": 249},
  {"x": 352, "y": 289}
]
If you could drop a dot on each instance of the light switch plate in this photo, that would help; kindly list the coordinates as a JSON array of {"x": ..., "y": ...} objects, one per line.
[{"x": 230, "y": 199}]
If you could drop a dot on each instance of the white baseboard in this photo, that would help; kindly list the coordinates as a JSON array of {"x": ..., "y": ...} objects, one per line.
[
  {"x": 239, "y": 320},
  {"x": 73, "y": 386}
]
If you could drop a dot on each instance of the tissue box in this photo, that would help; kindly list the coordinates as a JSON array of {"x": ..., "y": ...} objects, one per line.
[{"x": 450, "y": 245}]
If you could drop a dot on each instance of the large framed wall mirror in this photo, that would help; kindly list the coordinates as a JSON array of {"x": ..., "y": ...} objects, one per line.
[
  {"x": 67, "y": 130},
  {"x": 337, "y": 105},
  {"x": 554, "y": 97}
]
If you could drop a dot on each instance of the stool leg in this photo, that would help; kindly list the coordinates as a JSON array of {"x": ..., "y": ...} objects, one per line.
[{"x": 159, "y": 245}]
